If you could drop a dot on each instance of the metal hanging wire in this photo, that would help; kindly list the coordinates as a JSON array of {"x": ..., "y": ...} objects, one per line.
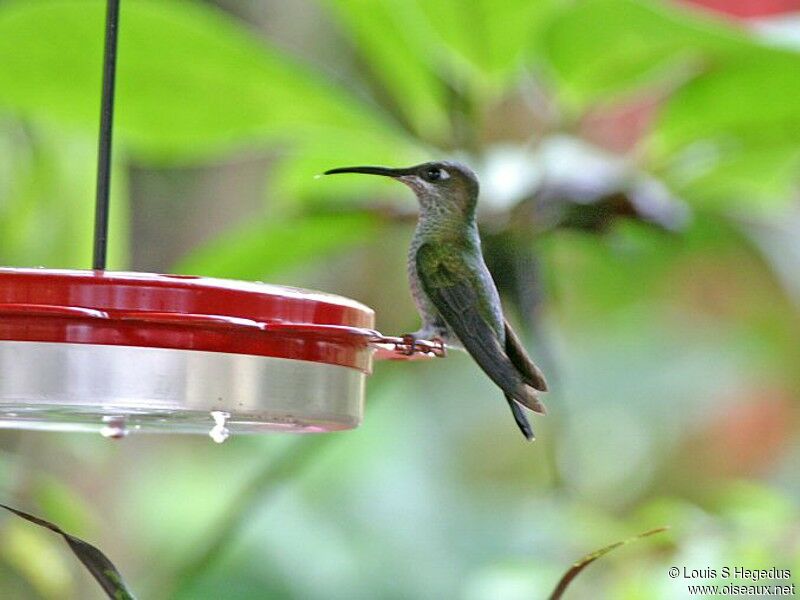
[{"x": 104, "y": 145}]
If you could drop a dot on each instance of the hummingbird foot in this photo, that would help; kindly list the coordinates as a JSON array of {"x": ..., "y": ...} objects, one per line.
[
  {"x": 440, "y": 350},
  {"x": 409, "y": 346},
  {"x": 413, "y": 343}
]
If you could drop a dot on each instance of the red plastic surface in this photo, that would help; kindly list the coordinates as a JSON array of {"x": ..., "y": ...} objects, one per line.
[
  {"x": 191, "y": 313},
  {"x": 749, "y": 9}
]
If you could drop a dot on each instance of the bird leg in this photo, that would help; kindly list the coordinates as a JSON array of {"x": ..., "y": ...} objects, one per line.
[
  {"x": 409, "y": 346},
  {"x": 440, "y": 351},
  {"x": 430, "y": 339}
]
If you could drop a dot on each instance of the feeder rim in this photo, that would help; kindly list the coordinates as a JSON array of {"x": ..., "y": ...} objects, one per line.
[{"x": 195, "y": 281}]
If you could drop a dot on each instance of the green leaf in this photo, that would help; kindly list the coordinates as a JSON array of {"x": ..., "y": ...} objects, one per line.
[
  {"x": 419, "y": 49},
  {"x": 731, "y": 134},
  {"x": 486, "y": 38},
  {"x": 261, "y": 250},
  {"x": 191, "y": 81},
  {"x": 391, "y": 37},
  {"x": 47, "y": 199},
  {"x": 584, "y": 562},
  {"x": 743, "y": 103},
  {"x": 599, "y": 48},
  {"x": 102, "y": 569},
  {"x": 752, "y": 179}
]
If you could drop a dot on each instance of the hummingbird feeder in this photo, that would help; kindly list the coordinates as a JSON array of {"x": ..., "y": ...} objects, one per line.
[{"x": 119, "y": 352}]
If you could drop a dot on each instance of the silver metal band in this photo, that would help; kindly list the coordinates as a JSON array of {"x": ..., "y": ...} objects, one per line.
[{"x": 88, "y": 387}]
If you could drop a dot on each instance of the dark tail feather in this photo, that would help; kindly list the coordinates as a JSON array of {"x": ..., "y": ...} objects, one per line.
[{"x": 521, "y": 419}]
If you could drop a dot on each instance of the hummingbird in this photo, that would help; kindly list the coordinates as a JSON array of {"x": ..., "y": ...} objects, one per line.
[{"x": 452, "y": 288}]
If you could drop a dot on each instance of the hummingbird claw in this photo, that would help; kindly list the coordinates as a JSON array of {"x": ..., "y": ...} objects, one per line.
[
  {"x": 409, "y": 345},
  {"x": 440, "y": 348}
]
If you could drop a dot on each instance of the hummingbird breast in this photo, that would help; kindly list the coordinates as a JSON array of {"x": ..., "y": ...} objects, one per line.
[{"x": 427, "y": 311}]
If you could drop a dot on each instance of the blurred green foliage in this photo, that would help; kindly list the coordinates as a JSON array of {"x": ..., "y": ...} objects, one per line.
[{"x": 658, "y": 278}]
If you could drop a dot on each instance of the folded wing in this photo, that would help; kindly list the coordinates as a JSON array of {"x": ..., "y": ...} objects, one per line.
[
  {"x": 452, "y": 289},
  {"x": 532, "y": 375}
]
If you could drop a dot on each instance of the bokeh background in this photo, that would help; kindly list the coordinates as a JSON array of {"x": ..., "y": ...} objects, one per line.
[{"x": 639, "y": 163}]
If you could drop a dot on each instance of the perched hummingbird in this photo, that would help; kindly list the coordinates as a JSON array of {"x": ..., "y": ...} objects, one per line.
[{"x": 452, "y": 288}]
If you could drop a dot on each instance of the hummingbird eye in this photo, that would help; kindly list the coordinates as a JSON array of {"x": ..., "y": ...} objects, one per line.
[{"x": 434, "y": 174}]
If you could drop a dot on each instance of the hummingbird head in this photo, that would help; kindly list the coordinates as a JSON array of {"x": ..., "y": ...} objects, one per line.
[{"x": 441, "y": 187}]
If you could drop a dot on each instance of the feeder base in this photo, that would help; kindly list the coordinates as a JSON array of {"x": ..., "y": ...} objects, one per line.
[{"x": 119, "y": 389}]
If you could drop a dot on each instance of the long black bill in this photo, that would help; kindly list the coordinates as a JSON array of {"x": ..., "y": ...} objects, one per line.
[{"x": 386, "y": 172}]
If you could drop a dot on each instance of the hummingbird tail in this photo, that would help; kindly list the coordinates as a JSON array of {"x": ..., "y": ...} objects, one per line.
[
  {"x": 521, "y": 419},
  {"x": 529, "y": 397}
]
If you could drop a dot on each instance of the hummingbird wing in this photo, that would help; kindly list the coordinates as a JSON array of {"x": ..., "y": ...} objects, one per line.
[
  {"x": 452, "y": 287},
  {"x": 533, "y": 376}
]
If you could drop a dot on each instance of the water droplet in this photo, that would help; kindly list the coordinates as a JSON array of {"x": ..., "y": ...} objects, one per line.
[
  {"x": 317, "y": 176},
  {"x": 219, "y": 433},
  {"x": 115, "y": 428}
]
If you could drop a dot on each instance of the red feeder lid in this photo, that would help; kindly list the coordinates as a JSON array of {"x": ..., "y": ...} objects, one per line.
[{"x": 184, "y": 312}]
